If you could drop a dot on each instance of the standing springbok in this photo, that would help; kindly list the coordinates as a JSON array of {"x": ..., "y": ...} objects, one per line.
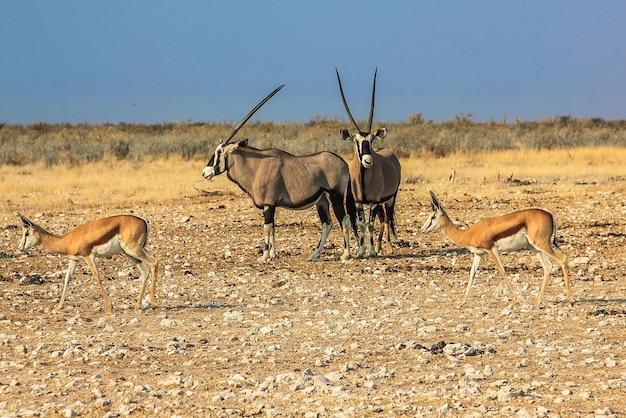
[
  {"x": 274, "y": 178},
  {"x": 534, "y": 229},
  {"x": 374, "y": 177},
  {"x": 102, "y": 238}
]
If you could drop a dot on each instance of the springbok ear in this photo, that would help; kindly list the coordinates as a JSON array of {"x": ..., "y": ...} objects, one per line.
[
  {"x": 381, "y": 133},
  {"x": 434, "y": 202},
  {"x": 24, "y": 220},
  {"x": 345, "y": 134}
]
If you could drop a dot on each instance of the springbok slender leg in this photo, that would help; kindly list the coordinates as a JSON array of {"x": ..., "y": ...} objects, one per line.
[
  {"x": 91, "y": 261},
  {"x": 68, "y": 278},
  {"x": 544, "y": 255},
  {"x": 495, "y": 255},
  {"x": 147, "y": 265},
  {"x": 473, "y": 270}
]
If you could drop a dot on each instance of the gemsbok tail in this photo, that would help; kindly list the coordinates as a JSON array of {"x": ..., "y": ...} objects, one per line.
[{"x": 351, "y": 209}]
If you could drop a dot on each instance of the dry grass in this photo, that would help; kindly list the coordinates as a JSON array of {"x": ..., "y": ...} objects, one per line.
[
  {"x": 102, "y": 185},
  {"x": 120, "y": 185},
  {"x": 521, "y": 164}
]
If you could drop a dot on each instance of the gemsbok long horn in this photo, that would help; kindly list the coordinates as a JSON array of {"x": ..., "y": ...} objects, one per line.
[
  {"x": 345, "y": 103},
  {"x": 252, "y": 112},
  {"x": 371, "y": 119}
]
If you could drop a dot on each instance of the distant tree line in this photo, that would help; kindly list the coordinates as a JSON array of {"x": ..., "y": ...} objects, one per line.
[{"x": 76, "y": 144}]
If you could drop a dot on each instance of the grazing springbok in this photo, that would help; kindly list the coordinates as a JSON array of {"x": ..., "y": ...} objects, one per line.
[
  {"x": 102, "y": 238},
  {"x": 274, "y": 178},
  {"x": 374, "y": 177},
  {"x": 534, "y": 229}
]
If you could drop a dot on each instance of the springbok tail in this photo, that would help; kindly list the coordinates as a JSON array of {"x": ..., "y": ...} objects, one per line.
[
  {"x": 554, "y": 226},
  {"x": 351, "y": 209}
]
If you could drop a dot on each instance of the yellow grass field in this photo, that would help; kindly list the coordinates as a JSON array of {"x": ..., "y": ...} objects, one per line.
[{"x": 112, "y": 184}]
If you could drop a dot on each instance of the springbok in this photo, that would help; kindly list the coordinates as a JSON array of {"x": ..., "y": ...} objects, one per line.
[
  {"x": 374, "y": 177},
  {"x": 275, "y": 178},
  {"x": 534, "y": 229},
  {"x": 102, "y": 238}
]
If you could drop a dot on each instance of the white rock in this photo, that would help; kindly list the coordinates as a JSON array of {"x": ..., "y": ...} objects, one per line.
[
  {"x": 266, "y": 331},
  {"x": 334, "y": 376},
  {"x": 579, "y": 260}
]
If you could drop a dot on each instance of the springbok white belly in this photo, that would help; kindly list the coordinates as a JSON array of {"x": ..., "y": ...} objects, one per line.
[
  {"x": 112, "y": 247},
  {"x": 506, "y": 245},
  {"x": 514, "y": 242}
]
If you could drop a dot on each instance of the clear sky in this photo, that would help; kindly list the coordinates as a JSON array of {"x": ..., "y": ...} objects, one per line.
[{"x": 153, "y": 61}]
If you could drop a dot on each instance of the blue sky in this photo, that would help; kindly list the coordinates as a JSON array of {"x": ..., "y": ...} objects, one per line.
[{"x": 160, "y": 61}]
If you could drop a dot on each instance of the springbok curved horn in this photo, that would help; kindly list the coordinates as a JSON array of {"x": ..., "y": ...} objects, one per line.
[
  {"x": 345, "y": 104},
  {"x": 371, "y": 119},
  {"x": 252, "y": 112}
]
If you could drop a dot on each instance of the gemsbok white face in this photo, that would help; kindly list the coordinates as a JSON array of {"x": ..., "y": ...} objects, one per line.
[
  {"x": 363, "y": 143},
  {"x": 217, "y": 163}
]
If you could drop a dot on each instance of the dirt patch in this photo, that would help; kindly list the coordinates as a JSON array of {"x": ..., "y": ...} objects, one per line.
[{"x": 231, "y": 336}]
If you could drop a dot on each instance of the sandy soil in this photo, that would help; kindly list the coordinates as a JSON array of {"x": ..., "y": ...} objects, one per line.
[{"x": 374, "y": 337}]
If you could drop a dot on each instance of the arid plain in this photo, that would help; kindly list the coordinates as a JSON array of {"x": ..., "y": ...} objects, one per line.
[{"x": 230, "y": 336}]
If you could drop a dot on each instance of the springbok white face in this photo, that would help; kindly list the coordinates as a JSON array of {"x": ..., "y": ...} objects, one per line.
[
  {"x": 364, "y": 144},
  {"x": 29, "y": 237},
  {"x": 217, "y": 164},
  {"x": 432, "y": 224}
]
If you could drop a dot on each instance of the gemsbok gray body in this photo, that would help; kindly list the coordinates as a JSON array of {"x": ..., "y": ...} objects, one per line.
[
  {"x": 375, "y": 179},
  {"x": 275, "y": 178}
]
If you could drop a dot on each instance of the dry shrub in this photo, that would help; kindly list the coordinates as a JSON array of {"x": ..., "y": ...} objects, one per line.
[{"x": 77, "y": 144}]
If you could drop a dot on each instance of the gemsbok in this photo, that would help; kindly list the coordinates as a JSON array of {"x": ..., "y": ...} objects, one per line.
[
  {"x": 374, "y": 177},
  {"x": 275, "y": 178},
  {"x": 102, "y": 238},
  {"x": 534, "y": 229}
]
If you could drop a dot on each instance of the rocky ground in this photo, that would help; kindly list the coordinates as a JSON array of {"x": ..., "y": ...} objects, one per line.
[{"x": 375, "y": 337}]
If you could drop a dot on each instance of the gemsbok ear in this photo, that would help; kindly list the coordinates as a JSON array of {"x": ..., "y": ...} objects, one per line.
[
  {"x": 381, "y": 133},
  {"x": 345, "y": 134},
  {"x": 243, "y": 143}
]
